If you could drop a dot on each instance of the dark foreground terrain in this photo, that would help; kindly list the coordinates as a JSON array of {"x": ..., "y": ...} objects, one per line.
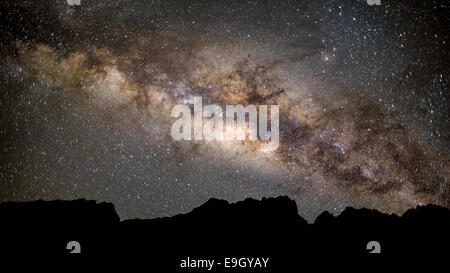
[{"x": 270, "y": 228}]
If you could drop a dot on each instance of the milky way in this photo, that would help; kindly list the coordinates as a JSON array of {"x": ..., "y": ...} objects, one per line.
[{"x": 87, "y": 92}]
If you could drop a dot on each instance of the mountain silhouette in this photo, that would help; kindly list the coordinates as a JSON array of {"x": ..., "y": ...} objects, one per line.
[{"x": 270, "y": 228}]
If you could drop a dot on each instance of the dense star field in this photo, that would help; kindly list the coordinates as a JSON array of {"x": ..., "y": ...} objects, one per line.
[{"x": 87, "y": 92}]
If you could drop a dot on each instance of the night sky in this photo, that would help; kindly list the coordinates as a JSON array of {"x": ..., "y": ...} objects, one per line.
[{"x": 86, "y": 94}]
